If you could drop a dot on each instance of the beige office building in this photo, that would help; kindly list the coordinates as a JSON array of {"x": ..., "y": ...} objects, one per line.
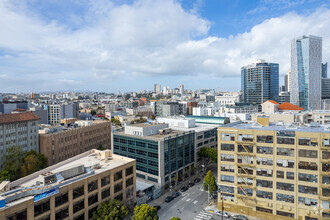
[
  {"x": 72, "y": 189},
  {"x": 61, "y": 144},
  {"x": 275, "y": 172}
]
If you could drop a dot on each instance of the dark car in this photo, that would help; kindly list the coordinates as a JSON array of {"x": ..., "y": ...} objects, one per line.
[
  {"x": 184, "y": 188},
  {"x": 191, "y": 184},
  {"x": 176, "y": 194},
  {"x": 169, "y": 198},
  {"x": 239, "y": 217},
  {"x": 197, "y": 180},
  {"x": 157, "y": 207}
]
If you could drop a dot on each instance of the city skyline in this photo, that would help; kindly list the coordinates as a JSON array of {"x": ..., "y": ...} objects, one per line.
[{"x": 57, "y": 46}]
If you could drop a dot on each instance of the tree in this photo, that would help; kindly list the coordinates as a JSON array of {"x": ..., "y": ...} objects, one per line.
[
  {"x": 175, "y": 218},
  {"x": 115, "y": 121},
  {"x": 93, "y": 112},
  {"x": 100, "y": 147},
  {"x": 153, "y": 117},
  {"x": 3, "y": 175},
  {"x": 209, "y": 182},
  {"x": 208, "y": 155},
  {"x": 145, "y": 212},
  {"x": 33, "y": 162},
  {"x": 13, "y": 162},
  {"x": 112, "y": 210}
]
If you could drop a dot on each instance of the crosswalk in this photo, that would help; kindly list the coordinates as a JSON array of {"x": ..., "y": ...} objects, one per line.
[{"x": 203, "y": 216}]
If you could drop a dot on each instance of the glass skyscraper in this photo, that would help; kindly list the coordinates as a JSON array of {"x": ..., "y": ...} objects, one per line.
[
  {"x": 306, "y": 72},
  {"x": 260, "y": 82}
]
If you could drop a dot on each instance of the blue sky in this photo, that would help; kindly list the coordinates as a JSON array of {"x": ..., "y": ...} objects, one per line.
[{"x": 104, "y": 45}]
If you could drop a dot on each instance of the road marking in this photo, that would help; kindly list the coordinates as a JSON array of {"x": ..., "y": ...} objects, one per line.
[
  {"x": 188, "y": 200},
  {"x": 195, "y": 202},
  {"x": 203, "y": 216}
]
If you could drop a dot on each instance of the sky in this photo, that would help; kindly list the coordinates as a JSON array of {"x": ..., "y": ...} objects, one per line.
[{"x": 130, "y": 45}]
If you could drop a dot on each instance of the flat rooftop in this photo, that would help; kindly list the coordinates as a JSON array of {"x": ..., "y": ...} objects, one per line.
[
  {"x": 140, "y": 125},
  {"x": 276, "y": 127},
  {"x": 88, "y": 159},
  {"x": 155, "y": 137},
  {"x": 198, "y": 128}
]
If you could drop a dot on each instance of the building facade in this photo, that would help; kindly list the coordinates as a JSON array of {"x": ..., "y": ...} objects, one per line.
[
  {"x": 275, "y": 172},
  {"x": 19, "y": 129},
  {"x": 160, "y": 155},
  {"x": 62, "y": 145},
  {"x": 325, "y": 88},
  {"x": 260, "y": 82},
  {"x": 56, "y": 112},
  {"x": 72, "y": 189},
  {"x": 306, "y": 72}
]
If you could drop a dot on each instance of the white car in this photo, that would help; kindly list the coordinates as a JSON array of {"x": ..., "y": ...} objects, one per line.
[{"x": 225, "y": 214}]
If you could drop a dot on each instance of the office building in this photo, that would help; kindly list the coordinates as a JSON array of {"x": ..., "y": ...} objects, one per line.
[
  {"x": 260, "y": 82},
  {"x": 306, "y": 72},
  {"x": 7, "y": 107},
  {"x": 41, "y": 113},
  {"x": 325, "y": 88},
  {"x": 59, "y": 143},
  {"x": 19, "y": 129},
  {"x": 56, "y": 112},
  {"x": 274, "y": 171},
  {"x": 324, "y": 70},
  {"x": 72, "y": 189},
  {"x": 287, "y": 81},
  {"x": 34, "y": 96},
  {"x": 181, "y": 89},
  {"x": 160, "y": 152},
  {"x": 157, "y": 89}
]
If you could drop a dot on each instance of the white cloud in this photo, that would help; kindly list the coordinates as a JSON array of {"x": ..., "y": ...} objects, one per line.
[{"x": 147, "y": 38}]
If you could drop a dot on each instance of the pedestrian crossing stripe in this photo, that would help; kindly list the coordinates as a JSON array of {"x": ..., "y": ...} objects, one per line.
[{"x": 203, "y": 216}]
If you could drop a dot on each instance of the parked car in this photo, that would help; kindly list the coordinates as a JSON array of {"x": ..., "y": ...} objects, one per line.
[
  {"x": 176, "y": 194},
  {"x": 169, "y": 198},
  {"x": 184, "y": 188},
  {"x": 191, "y": 184},
  {"x": 225, "y": 214},
  {"x": 157, "y": 207},
  {"x": 239, "y": 217},
  {"x": 197, "y": 180}
]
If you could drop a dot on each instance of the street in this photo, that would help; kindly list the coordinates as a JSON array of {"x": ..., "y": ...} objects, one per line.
[{"x": 188, "y": 206}]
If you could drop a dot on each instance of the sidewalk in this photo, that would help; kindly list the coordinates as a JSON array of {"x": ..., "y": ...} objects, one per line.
[{"x": 215, "y": 209}]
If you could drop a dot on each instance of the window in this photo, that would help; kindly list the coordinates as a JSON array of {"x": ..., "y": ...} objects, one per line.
[
  {"x": 78, "y": 206},
  {"x": 227, "y": 157},
  {"x": 264, "y": 139},
  {"x": 244, "y": 181},
  {"x": 326, "y": 142},
  {"x": 307, "y": 201},
  {"x": 227, "y": 137},
  {"x": 245, "y": 159},
  {"x": 286, "y": 214},
  {"x": 90, "y": 212},
  {"x": 260, "y": 209},
  {"x": 92, "y": 186},
  {"x": 92, "y": 199},
  {"x": 308, "y": 142},
  {"x": 227, "y": 189},
  {"x": 129, "y": 182},
  {"x": 285, "y": 140},
  {"x": 307, "y": 177},
  {"x": 105, "y": 181},
  {"x": 265, "y": 183},
  {"x": 265, "y": 172},
  {"x": 105, "y": 193},
  {"x": 307, "y": 189},
  {"x": 308, "y": 153},
  {"x": 285, "y": 186},
  {"x": 118, "y": 187},
  {"x": 325, "y": 155},
  {"x": 227, "y": 168},
  {"x": 245, "y": 148},
  {"x": 325, "y": 192},
  {"x": 41, "y": 208},
  {"x": 285, "y": 163},
  {"x": 63, "y": 213},
  {"x": 264, "y": 194},
  {"x": 284, "y": 198},
  {"x": 225, "y": 178},
  {"x": 307, "y": 165},
  {"x": 265, "y": 150},
  {"x": 129, "y": 171},
  {"x": 59, "y": 200},
  {"x": 285, "y": 152},
  {"x": 280, "y": 174},
  {"x": 245, "y": 137},
  {"x": 290, "y": 175},
  {"x": 247, "y": 192},
  {"x": 79, "y": 191},
  {"x": 227, "y": 147},
  {"x": 264, "y": 161}
]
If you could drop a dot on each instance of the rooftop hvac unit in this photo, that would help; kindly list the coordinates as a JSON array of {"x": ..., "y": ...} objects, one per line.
[{"x": 71, "y": 172}]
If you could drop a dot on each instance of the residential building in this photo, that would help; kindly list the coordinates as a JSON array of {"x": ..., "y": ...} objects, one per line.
[
  {"x": 19, "y": 129},
  {"x": 206, "y": 97},
  {"x": 227, "y": 99},
  {"x": 59, "y": 143},
  {"x": 190, "y": 106},
  {"x": 163, "y": 109},
  {"x": 181, "y": 89},
  {"x": 274, "y": 171},
  {"x": 239, "y": 108},
  {"x": 35, "y": 96},
  {"x": 72, "y": 189},
  {"x": 160, "y": 152},
  {"x": 306, "y": 72},
  {"x": 260, "y": 82},
  {"x": 56, "y": 112},
  {"x": 41, "y": 113},
  {"x": 8, "y": 107}
]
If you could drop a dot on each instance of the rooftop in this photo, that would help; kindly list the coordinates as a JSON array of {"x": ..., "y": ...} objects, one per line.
[
  {"x": 18, "y": 117},
  {"x": 145, "y": 125},
  {"x": 155, "y": 137},
  {"x": 271, "y": 101},
  {"x": 288, "y": 106},
  {"x": 278, "y": 127},
  {"x": 93, "y": 162}
]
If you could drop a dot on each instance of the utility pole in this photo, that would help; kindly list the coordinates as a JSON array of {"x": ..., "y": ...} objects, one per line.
[{"x": 221, "y": 205}]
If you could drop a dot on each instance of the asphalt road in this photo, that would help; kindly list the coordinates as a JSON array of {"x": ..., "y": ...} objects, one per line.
[{"x": 188, "y": 206}]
